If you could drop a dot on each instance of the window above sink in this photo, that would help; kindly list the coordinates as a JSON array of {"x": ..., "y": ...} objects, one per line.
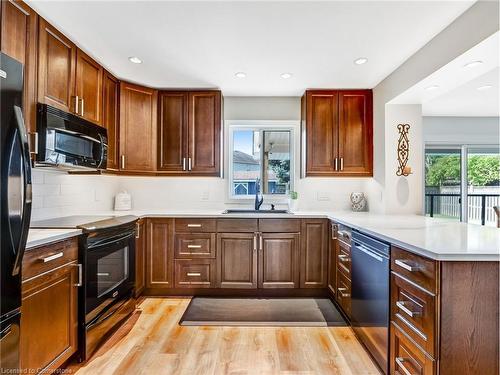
[{"x": 261, "y": 150}]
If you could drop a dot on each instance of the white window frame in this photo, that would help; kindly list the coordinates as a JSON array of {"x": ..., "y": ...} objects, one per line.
[
  {"x": 464, "y": 178},
  {"x": 272, "y": 125}
]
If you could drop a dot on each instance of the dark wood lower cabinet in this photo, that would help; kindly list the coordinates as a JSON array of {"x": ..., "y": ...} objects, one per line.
[
  {"x": 160, "y": 253},
  {"x": 49, "y": 316},
  {"x": 140, "y": 257},
  {"x": 279, "y": 260},
  {"x": 314, "y": 253},
  {"x": 237, "y": 257}
]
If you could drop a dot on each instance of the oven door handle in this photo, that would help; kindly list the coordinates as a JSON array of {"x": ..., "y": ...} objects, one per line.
[{"x": 112, "y": 241}]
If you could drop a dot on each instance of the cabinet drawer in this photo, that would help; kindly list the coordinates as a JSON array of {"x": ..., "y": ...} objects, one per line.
[
  {"x": 45, "y": 258},
  {"x": 237, "y": 225},
  {"x": 195, "y": 273},
  {"x": 279, "y": 225},
  {"x": 343, "y": 293},
  {"x": 406, "y": 358},
  {"x": 343, "y": 261},
  {"x": 414, "y": 312},
  {"x": 195, "y": 245},
  {"x": 420, "y": 270},
  {"x": 195, "y": 225}
]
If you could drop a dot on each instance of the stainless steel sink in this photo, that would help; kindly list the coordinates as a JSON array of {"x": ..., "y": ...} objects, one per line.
[{"x": 249, "y": 211}]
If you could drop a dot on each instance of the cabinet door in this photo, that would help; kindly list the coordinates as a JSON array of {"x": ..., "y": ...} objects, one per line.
[
  {"x": 160, "y": 256},
  {"x": 355, "y": 133},
  {"x": 89, "y": 87},
  {"x": 314, "y": 253},
  {"x": 56, "y": 68},
  {"x": 279, "y": 260},
  {"x": 110, "y": 90},
  {"x": 204, "y": 132},
  {"x": 172, "y": 132},
  {"x": 321, "y": 123},
  {"x": 332, "y": 257},
  {"x": 18, "y": 40},
  {"x": 49, "y": 319},
  {"x": 140, "y": 257},
  {"x": 237, "y": 258},
  {"x": 137, "y": 128}
]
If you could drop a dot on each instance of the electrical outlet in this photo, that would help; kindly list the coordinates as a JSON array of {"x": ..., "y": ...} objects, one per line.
[
  {"x": 205, "y": 195},
  {"x": 322, "y": 196}
]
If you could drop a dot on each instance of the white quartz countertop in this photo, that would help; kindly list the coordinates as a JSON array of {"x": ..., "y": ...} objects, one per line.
[
  {"x": 438, "y": 239},
  {"x": 39, "y": 237}
]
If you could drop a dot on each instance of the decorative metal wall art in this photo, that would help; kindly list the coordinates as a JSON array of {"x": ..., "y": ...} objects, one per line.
[{"x": 403, "y": 150}]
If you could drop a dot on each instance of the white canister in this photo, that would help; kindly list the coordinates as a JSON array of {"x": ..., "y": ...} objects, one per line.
[{"x": 123, "y": 201}]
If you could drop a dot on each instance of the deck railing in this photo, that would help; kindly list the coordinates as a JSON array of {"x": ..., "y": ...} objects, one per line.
[{"x": 480, "y": 206}]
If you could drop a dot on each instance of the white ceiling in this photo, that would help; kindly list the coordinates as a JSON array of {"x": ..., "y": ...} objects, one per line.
[
  {"x": 203, "y": 44},
  {"x": 466, "y": 100},
  {"x": 457, "y": 93}
]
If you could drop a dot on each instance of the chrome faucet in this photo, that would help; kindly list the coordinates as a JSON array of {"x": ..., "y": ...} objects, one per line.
[{"x": 259, "y": 198}]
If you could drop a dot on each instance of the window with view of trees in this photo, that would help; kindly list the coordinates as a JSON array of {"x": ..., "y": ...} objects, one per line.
[
  {"x": 463, "y": 174},
  {"x": 260, "y": 155}
]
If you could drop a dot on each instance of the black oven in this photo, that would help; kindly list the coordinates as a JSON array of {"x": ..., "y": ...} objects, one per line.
[
  {"x": 108, "y": 258},
  {"x": 68, "y": 141}
]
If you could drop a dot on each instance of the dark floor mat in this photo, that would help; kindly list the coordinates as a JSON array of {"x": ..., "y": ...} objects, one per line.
[{"x": 282, "y": 312}]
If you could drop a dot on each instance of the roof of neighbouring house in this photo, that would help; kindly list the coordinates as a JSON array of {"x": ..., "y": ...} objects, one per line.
[{"x": 243, "y": 158}]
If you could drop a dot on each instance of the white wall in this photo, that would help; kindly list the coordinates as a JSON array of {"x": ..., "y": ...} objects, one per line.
[
  {"x": 461, "y": 130},
  {"x": 56, "y": 193},
  {"x": 404, "y": 193},
  {"x": 454, "y": 40}
]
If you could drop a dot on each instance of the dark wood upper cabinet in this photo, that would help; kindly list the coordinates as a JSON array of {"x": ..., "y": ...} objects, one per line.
[
  {"x": 189, "y": 133},
  {"x": 160, "y": 253},
  {"x": 337, "y": 133},
  {"x": 137, "y": 128},
  {"x": 237, "y": 260},
  {"x": 355, "y": 132},
  {"x": 89, "y": 88},
  {"x": 56, "y": 68},
  {"x": 19, "y": 40},
  {"x": 110, "y": 99},
  {"x": 321, "y": 127},
  {"x": 204, "y": 132},
  {"x": 279, "y": 260},
  {"x": 314, "y": 253},
  {"x": 172, "y": 131}
]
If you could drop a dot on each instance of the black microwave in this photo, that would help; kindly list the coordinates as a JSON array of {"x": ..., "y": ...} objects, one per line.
[{"x": 68, "y": 141}]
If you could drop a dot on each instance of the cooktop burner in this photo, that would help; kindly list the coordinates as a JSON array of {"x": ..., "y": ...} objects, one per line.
[{"x": 85, "y": 222}]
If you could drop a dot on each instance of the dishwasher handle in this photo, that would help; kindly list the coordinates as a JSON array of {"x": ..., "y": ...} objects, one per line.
[{"x": 368, "y": 252}]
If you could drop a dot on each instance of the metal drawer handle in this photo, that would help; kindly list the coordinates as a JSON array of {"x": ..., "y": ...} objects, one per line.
[
  {"x": 335, "y": 228},
  {"x": 194, "y": 246},
  {"x": 344, "y": 295},
  {"x": 400, "y": 361},
  {"x": 137, "y": 230},
  {"x": 343, "y": 258},
  {"x": 406, "y": 310},
  {"x": 406, "y": 266},
  {"x": 194, "y": 225},
  {"x": 193, "y": 274},
  {"x": 52, "y": 257},
  {"x": 344, "y": 233},
  {"x": 80, "y": 275},
  {"x": 103, "y": 274}
]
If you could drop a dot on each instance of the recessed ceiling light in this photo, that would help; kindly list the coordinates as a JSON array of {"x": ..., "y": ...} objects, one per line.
[
  {"x": 473, "y": 64},
  {"x": 361, "y": 61},
  {"x": 286, "y": 75},
  {"x": 241, "y": 74},
  {"x": 433, "y": 87},
  {"x": 135, "y": 60},
  {"x": 485, "y": 87}
]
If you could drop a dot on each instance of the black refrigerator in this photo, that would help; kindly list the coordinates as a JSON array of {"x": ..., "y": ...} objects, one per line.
[{"x": 15, "y": 207}]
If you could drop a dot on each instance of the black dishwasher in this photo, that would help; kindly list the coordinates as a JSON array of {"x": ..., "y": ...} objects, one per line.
[{"x": 370, "y": 295}]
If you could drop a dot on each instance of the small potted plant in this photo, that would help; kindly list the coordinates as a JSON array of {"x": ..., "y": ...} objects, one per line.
[{"x": 293, "y": 201}]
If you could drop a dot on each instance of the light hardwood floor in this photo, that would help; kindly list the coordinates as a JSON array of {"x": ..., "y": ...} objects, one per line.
[{"x": 152, "y": 342}]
